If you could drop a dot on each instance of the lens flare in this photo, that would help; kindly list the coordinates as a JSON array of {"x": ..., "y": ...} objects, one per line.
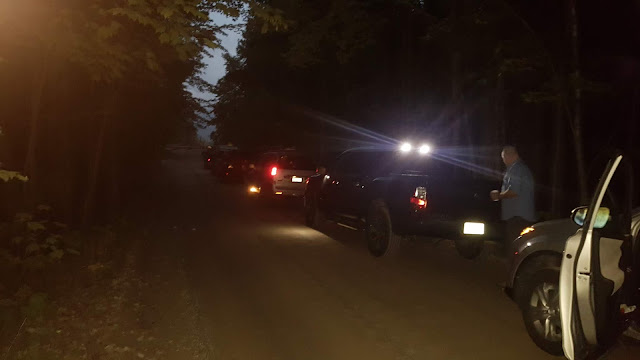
[{"x": 406, "y": 147}]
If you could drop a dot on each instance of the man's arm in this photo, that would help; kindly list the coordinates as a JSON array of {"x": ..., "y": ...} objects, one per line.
[
  {"x": 515, "y": 184},
  {"x": 507, "y": 194}
]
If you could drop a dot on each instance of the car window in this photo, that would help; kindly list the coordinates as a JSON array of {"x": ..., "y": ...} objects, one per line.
[
  {"x": 296, "y": 162},
  {"x": 618, "y": 199},
  {"x": 380, "y": 163},
  {"x": 426, "y": 165},
  {"x": 344, "y": 164}
]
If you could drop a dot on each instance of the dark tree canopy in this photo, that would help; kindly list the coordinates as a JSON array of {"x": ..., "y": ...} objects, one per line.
[
  {"x": 91, "y": 91},
  {"x": 471, "y": 75}
]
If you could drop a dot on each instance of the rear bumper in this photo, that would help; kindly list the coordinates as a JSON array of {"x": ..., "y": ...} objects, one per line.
[
  {"x": 288, "y": 188},
  {"x": 421, "y": 224},
  {"x": 283, "y": 192}
]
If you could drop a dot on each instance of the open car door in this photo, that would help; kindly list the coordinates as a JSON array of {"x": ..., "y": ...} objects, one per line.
[{"x": 595, "y": 262}]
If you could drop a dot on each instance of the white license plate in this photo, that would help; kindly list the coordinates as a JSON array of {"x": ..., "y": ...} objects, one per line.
[
  {"x": 296, "y": 179},
  {"x": 473, "y": 228}
]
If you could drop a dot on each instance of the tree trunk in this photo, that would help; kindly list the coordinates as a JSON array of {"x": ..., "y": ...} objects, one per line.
[
  {"x": 35, "y": 104},
  {"x": 633, "y": 120},
  {"x": 94, "y": 170},
  {"x": 557, "y": 170},
  {"x": 455, "y": 102},
  {"x": 577, "y": 103},
  {"x": 499, "y": 112},
  {"x": 114, "y": 197}
]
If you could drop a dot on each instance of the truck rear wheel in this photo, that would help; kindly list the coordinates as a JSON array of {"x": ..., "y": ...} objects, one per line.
[
  {"x": 381, "y": 240},
  {"x": 469, "y": 248}
]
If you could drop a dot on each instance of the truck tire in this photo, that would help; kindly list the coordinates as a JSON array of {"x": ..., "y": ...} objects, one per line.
[
  {"x": 381, "y": 241},
  {"x": 313, "y": 216},
  {"x": 537, "y": 294},
  {"x": 469, "y": 248}
]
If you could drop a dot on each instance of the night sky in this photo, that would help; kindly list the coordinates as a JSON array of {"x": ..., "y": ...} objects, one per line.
[{"x": 215, "y": 63}]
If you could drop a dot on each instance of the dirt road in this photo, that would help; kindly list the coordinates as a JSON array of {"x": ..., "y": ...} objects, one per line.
[{"x": 267, "y": 287}]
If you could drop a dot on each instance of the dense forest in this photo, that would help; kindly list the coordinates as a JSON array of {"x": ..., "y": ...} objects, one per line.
[
  {"x": 91, "y": 91},
  {"x": 558, "y": 79}
]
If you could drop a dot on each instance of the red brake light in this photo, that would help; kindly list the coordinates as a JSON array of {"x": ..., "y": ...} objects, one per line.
[
  {"x": 420, "y": 203},
  {"x": 209, "y": 159},
  {"x": 419, "y": 198},
  {"x": 274, "y": 171}
]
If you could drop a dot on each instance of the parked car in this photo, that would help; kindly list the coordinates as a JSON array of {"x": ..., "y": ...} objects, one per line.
[
  {"x": 534, "y": 277},
  {"x": 213, "y": 157},
  {"x": 232, "y": 166},
  {"x": 393, "y": 193},
  {"x": 207, "y": 157},
  {"x": 600, "y": 271},
  {"x": 282, "y": 173},
  {"x": 533, "y": 280}
]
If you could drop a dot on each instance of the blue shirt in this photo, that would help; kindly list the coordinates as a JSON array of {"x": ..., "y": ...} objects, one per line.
[{"x": 518, "y": 179}]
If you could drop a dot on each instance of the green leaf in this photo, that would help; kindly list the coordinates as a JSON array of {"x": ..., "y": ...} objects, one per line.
[
  {"x": 36, "y": 262},
  {"x": 166, "y": 12},
  {"x": 43, "y": 207},
  {"x": 59, "y": 225},
  {"x": 53, "y": 239},
  {"x": 36, "y": 306},
  {"x": 35, "y": 226},
  {"x": 6, "y": 175},
  {"x": 210, "y": 44},
  {"x": 32, "y": 248},
  {"x": 23, "y": 217},
  {"x": 95, "y": 267},
  {"x": 73, "y": 251},
  {"x": 56, "y": 254}
]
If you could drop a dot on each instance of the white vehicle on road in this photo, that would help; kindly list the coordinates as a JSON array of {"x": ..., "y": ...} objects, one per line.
[{"x": 281, "y": 173}]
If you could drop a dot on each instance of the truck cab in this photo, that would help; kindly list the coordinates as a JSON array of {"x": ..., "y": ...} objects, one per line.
[{"x": 393, "y": 194}]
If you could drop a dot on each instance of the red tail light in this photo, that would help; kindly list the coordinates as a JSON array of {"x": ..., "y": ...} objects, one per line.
[
  {"x": 209, "y": 160},
  {"x": 419, "y": 198},
  {"x": 420, "y": 203},
  {"x": 274, "y": 171}
]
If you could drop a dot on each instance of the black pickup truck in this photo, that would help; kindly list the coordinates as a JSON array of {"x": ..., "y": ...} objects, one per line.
[{"x": 392, "y": 195}]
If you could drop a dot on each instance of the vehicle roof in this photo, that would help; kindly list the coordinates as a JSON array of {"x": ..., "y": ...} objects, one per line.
[
  {"x": 381, "y": 148},
  {"x": 284, "y": 152}
]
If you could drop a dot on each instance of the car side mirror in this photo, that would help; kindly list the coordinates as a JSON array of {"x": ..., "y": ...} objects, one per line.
[{"x": 579, "y": 216}]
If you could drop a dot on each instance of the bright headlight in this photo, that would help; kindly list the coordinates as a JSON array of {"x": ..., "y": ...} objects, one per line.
[
  {"x": 424, "y": 149},
  {"x": 406, "y": 147}
]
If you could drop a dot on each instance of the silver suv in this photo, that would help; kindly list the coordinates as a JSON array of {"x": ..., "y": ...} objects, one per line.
[{"x": 281, "y": 173}]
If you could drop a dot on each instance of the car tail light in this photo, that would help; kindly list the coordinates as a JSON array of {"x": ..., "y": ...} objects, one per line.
[
  {"x": 209, "y": 160},
  {"x": 419, "y": 198},
  {"x": 274, "y": 171},
  {"x": 420, "y": 203}
]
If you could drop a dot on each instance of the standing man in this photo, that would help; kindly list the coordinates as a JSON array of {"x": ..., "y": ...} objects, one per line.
[{"x": 517, "y": 195}]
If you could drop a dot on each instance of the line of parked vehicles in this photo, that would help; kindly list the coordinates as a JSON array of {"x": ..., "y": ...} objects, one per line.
[{"x": 575, "y": 280}]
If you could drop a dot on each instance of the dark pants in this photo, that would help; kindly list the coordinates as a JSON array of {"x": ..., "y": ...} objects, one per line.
[{"x": 514, "y": 227}]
